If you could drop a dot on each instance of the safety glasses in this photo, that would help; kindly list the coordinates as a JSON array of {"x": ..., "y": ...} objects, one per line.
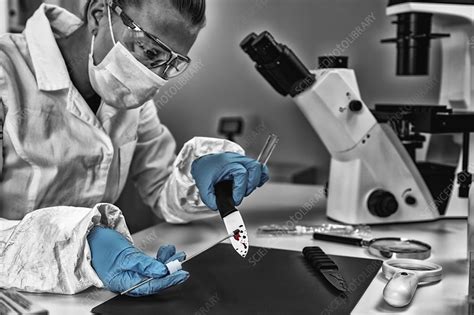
[{"x": 149, "y": 49}]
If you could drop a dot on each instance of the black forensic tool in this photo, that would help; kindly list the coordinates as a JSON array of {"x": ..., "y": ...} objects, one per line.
[
  {"x": 321, "y": 262},
  {"x": 385, "y": 247}
]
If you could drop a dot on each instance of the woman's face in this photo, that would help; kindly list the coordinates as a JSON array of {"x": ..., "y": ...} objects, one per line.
[{"x": 157, "y": 18}]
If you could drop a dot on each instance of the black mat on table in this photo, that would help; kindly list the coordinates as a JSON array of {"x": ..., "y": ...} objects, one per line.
[{"x": 267, "y": 281}]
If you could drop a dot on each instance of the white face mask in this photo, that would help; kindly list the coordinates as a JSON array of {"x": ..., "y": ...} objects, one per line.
[{"x": 120, "y": 79}]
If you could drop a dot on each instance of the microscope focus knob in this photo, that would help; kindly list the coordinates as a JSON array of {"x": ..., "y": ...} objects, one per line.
[
  {"x": 355, "y": 106},
  {"x": 382, "y": 203}
]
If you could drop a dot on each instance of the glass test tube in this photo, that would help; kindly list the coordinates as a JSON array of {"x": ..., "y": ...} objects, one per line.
[{"x": 268, "y": 148}]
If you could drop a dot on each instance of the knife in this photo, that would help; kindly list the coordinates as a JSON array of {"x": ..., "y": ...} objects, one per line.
[
  {"x": 225, "y": 202},
  {"x": 231, "y": 216},
  {"x": 326, "y": 266}
]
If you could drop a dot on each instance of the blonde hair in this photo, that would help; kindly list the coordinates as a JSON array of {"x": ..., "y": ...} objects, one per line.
[{"x": 193, "y": 10}]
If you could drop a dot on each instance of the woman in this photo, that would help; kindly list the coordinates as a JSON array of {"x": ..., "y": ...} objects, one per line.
[{"x": 77, "y": 118}]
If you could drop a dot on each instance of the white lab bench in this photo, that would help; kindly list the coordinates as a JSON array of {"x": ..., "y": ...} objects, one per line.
[{"x": 276, "y": 203}]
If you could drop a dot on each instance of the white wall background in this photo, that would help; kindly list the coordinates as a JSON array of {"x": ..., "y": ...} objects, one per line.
[{"x": 3, "y": 16}]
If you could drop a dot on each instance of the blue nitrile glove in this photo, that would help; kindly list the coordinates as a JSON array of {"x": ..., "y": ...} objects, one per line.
[
  {"x": 120, "y": 265},
  {"x": 247, "y": 174},
  {"x": 167, "y": 253}
]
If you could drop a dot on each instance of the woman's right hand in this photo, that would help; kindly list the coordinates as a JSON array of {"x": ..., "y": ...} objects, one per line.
[{"x": 120, "y": 265}]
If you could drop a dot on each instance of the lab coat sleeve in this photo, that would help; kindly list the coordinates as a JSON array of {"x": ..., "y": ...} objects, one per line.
[
  {"x": 48, "y": 251},
  {"x": 163, "y": 180}
]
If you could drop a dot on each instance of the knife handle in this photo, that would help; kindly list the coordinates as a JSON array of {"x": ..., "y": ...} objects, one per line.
[
  {"x": 224, "y": 197},
  {"x": 318, "y": 259}
]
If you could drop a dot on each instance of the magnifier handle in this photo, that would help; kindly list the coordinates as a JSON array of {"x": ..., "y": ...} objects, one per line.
[
  {"x": 338, "y": 239},
  {"x": 400, "y": 290}
]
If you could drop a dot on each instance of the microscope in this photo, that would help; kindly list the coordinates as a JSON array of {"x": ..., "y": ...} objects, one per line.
[
  {"x": 453, "y": 21},
  {"x": 376, "y": 176},
  {"x": 380, "y": 159}
]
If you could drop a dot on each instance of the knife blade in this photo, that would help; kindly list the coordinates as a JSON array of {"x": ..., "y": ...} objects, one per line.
[
  {"x": 231, "y": 216},
  {"x": 318, "y": 259}
]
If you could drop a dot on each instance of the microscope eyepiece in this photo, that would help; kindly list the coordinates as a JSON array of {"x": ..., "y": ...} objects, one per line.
[
  {"x": 246, "y": 45},
  {"x": 267, "y": 48},
  {"x": 277, "y": 64}
]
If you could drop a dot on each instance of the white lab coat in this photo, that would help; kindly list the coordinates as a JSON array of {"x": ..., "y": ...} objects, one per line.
[{"x": 62, "y": 165}]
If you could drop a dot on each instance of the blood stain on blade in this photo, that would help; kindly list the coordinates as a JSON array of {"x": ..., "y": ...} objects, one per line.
[{"x": 237, "y": 235}]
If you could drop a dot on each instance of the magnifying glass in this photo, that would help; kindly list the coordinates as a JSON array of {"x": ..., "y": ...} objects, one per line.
[
  {"x": 388, "y": 247},
  {"x": 404, "y": 276}
]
